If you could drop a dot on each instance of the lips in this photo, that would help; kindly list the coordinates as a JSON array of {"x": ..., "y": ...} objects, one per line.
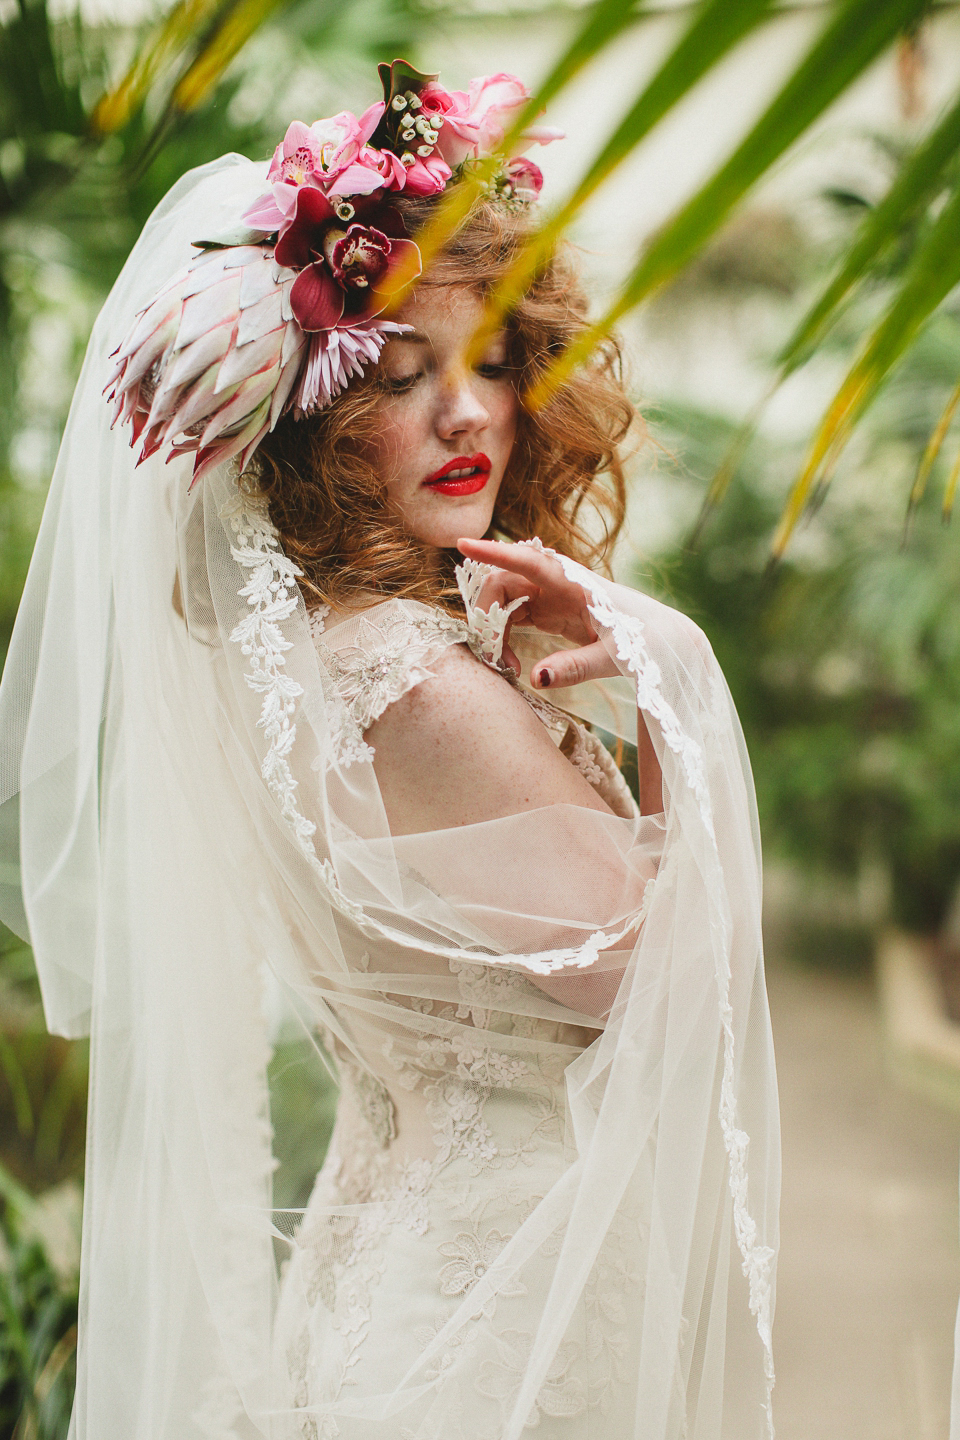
[{"x": 463, "y": 475}]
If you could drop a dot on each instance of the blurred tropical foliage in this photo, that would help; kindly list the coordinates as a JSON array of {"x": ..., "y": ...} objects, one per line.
[{"x": 844, "y": 659}]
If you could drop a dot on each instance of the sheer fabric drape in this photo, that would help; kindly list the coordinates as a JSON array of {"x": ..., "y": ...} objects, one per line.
[{"x": 186, "y": 801}]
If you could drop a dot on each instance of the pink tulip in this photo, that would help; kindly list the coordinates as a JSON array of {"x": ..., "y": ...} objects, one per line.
[{"x": 427, "y": 177}]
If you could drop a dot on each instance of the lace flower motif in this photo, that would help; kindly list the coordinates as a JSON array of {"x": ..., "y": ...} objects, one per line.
[
  {"x": 470, "y": 1257},
  {"x": 561, "y": 1395},
  {"x": 272, "y": 596}
]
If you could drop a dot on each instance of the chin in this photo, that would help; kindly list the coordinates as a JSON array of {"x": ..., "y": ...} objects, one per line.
[{"x": 468, "y": 522}]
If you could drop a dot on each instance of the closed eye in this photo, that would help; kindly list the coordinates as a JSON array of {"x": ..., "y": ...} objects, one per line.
[{"x": 398, "y": 384}]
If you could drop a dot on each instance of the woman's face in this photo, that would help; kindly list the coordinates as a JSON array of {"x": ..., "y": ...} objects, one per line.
[{"x": 446, "y": 428}]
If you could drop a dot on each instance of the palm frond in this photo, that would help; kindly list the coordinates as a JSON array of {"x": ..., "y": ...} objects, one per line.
[
  {"x": 714, "y": 30},
  {"x": 855, "y": 35},
  {"x": 932, "y": 273}
]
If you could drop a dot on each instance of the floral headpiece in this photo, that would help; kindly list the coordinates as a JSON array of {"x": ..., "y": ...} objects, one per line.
[{"x": 283, "y": 313}]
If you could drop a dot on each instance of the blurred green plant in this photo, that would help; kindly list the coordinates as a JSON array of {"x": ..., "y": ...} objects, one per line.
[
  {"x": 38, "y": 1325},
  {"x": 843, "y": 659},
  {"x": 43, "y": 1081},
  {"x": 303, "y": 1103}
]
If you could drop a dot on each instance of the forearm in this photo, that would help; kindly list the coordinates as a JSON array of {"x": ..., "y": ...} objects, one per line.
[{"x": 650, "y": 775}]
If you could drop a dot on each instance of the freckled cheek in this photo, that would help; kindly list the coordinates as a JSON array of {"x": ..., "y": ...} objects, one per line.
[
  {"x": 396, "y": 446},
  {"x": 504, "y": 416}
]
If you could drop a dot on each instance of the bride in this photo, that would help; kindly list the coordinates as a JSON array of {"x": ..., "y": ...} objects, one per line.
[{"x": 314, "y": 693}]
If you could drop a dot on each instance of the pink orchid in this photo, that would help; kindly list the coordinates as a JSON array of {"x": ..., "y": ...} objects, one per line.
[
  {"x": 297, "y": 158},
  {"x": 331, "y": 155},
  {"x": 342, "y": 141},
  {"x": 358, "y": 257}
]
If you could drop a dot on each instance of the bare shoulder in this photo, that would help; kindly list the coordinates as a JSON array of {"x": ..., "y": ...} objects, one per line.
[{"x": 464, "y": 747}]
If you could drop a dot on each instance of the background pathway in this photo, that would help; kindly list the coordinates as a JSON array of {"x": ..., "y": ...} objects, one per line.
[{"x": 870, "y": 1260}]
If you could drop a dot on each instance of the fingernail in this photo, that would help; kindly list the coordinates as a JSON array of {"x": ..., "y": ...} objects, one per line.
[{"x": 545, "y": 678}]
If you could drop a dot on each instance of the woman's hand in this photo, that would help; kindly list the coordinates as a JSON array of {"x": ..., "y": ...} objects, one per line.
[{"x": 554, "y": 604}]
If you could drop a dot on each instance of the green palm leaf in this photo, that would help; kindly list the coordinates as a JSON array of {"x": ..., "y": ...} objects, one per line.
[
  {"x": 714, "y": 30},
  {"x": 604, "y": 22},
  {"x": 859, "y": 31},
  {"x": 931, "y": 275},
  {"x": 916, "y": 183}
]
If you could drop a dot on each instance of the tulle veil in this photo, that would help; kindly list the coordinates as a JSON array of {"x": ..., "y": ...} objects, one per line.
[{"x": 184, "y": 809}]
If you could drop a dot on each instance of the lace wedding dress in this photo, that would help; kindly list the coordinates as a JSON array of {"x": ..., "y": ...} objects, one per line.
[{"x": 451, "y": 1130}]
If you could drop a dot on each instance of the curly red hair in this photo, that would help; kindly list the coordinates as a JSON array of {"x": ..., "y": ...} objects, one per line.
[{"x": 565, "y": 479}]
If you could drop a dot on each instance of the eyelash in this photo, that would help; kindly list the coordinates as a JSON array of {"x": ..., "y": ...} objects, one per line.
[{"x": 402, "y": 383}]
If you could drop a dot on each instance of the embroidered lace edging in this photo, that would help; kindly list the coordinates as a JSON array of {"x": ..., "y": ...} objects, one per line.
[
  {"x": 272, "y": 597},
  {"x": 757, "y": 1260}
]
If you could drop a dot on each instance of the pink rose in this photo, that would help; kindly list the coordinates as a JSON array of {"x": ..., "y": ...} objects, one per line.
[
  {"x": 459, "y": 133},
  {"x": 428, "y": 176},
  {"x": 495, "y": 101},
  {"x": 475, "y": 123}
]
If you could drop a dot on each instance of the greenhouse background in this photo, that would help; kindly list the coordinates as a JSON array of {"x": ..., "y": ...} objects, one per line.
[{"x": 843, "y": 656}]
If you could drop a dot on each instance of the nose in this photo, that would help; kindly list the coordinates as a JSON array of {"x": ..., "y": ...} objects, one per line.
[{"x": 460, "y": 410}]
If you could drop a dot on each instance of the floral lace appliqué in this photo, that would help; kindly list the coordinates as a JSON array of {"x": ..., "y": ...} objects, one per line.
[{"x": 487, "y": 628}]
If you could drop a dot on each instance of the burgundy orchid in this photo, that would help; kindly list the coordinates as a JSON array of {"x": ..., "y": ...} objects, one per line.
[
  {"x": 342, "y": 264},
  {"x": 358, "y": 256}
]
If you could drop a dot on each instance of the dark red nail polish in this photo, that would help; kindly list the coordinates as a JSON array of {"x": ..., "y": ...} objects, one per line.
[{"x": 545, "y": 678}]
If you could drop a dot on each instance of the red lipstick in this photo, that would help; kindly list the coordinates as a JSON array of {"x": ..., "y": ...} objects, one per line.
[{"x": 463, "y": 475}]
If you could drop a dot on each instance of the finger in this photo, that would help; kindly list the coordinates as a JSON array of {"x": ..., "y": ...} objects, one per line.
[
  {"x": 509, "y": 657},
  {"x": 520, "y": 559},
  {"x": 573, "y": 667},
  {"x": 503, "y": 587}
]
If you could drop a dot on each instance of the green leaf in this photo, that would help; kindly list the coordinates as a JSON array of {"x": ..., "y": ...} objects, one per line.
[
  {"x": 603, "y": 23},
  {"x": 932, "y": 274},
  {"x": 715, "y": 29},
  {"x": 844, "y": 49},
  {"x": 399, "y": 76},
  {"x": 917, "y": 182},
  {"x": 932, "y": 449}
]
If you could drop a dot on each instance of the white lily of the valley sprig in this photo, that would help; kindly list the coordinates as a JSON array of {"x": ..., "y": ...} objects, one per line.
[{"x": 488, "y": 628}]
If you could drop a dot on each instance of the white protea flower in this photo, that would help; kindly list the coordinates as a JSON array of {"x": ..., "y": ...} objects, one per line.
[{"x": 211, "y": 364}]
